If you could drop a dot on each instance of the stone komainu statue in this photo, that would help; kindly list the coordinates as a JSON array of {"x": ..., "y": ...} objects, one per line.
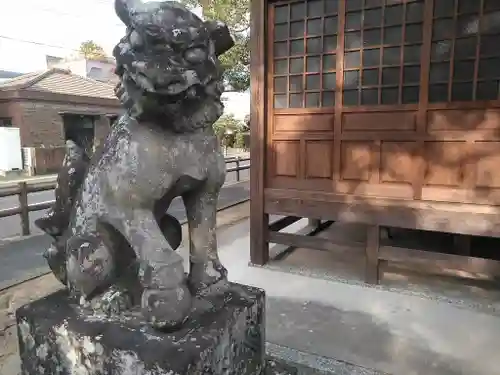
[{"x": 114, "y": 244}]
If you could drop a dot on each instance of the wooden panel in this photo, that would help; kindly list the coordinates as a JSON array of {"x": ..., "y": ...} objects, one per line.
[
  {"x": 286, "y": 158},
  {"x": 303, "y": 122},
  {"x": 463, "y": 120},
  {"x": 377, "y": 121},
  {"x": 487, "y": 157},
  {"x": 444, "y": 161},
  {"x": 319, "y": 159},
  {"x": 398, "y": 161},
  {"x": 356, "y": 160}
]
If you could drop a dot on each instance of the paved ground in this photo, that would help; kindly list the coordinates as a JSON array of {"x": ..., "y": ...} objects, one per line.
[
  {"x": 346, "y": 328},
  {"x": 333, "y": 324},
  {"x": 22, "y": 259},
  {"x": 11, "y": 226}
]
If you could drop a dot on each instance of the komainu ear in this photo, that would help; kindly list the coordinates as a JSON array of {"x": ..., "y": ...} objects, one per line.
[
  {"x": 221, "y": 36},
  {"x": 123, "y": 8}
]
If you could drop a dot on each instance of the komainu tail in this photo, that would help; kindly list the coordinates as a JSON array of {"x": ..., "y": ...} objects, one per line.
[{"x": 56, "y": 220}]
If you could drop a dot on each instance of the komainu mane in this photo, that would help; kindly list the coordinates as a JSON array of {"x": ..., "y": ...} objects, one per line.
[{"x": 114, "y": 244}]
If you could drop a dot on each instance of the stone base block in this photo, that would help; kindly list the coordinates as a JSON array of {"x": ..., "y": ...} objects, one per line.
[{"x": 224, "y": 336}]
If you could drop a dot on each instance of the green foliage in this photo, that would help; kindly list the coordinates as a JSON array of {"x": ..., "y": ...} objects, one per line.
[
  {"x": 246, "y": 123},
  {"x": 239, "y": 141},
  {"x": 236, "y": 14},
  {"x": 227, "y": 123},
  {"x": 229, "y": 129},
  {"x": 91, "y": 50}
]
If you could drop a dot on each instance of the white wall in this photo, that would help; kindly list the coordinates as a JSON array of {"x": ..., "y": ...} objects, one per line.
[
  {"x": 77, "y": 67},
  {"x": 98, "y": 70},
  {"x": 106, "y": 70}
]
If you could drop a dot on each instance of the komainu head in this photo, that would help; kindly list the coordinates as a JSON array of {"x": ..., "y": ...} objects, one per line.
[{"x": 168, "y": 64}]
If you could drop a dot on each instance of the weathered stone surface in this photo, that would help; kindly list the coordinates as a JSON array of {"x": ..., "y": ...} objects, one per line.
[
  {"x": 10, "y": 300},
  {"x": 225, "y": 335}
]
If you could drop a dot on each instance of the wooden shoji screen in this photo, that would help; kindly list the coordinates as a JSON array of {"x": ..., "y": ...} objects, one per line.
[{"x": 389, "y": 94}]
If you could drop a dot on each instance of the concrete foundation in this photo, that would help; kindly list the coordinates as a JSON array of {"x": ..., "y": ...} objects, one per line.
[{"x": 224, "y": 335}]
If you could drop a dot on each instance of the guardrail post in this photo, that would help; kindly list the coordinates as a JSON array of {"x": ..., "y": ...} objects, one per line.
[
  {"x": 23, "y": 205},
  {"x": 237, "y": 168}
]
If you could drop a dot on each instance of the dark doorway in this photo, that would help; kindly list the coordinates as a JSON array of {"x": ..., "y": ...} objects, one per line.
[
  {"x": 81, "y": 130},
  {"x": 112, "y": 120}
]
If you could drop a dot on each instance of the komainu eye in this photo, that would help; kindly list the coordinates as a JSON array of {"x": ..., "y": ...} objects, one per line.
[{"x": 135, "y": 39}]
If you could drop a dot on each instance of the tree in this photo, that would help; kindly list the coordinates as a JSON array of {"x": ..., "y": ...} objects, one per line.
[
  {"x": 246, "y": 123},
  {"x": 91, "y": 50},
  {"x": 236, "y": 14},
  {"x": 227, "y": 123}
]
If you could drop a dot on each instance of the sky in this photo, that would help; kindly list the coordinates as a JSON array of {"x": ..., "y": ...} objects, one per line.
[
  {"x": 55, "y": 27},
  {"x": 28, "y": 29}
]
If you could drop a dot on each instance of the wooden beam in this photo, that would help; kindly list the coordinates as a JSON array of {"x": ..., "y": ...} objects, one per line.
[
  {"x": 372, "y": 266},
  {"x": 449, "y": 218},
  {"x": 423, "y": 260},
  {"x": 323, "y": 225},
  {"x": 314, "y": 222},
  {"x": 344, "y": 251}
]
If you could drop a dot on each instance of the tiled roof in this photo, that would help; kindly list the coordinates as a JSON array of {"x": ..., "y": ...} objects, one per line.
[
  {"x": 60, "y": 81},
  {"x": 5, "y": 74},
  {"x": 18, "y": 81}
]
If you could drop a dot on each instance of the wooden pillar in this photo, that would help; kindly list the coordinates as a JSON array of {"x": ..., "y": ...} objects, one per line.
[
  {"x": 314, "y": 223},
  {"x": 372, "y": 248},
  {"x": 259, "y": 220},
  {"x": 24, "y": 207}
]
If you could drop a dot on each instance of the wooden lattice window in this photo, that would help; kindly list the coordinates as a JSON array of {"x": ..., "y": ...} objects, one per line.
[
  {"x": 465, "y": 54},
  {"x": 382, "y": 52},
  {"x": 305, "y": 46}
]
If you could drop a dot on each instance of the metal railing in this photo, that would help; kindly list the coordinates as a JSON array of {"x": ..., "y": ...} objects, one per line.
[{"x": 23, "y": 188}]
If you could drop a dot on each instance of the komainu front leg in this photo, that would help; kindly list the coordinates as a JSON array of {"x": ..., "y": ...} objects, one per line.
[
  {"x": 205, "y": 266},
  {"x": 90, "y": 266},
  {"x": 166, "y": 301}
]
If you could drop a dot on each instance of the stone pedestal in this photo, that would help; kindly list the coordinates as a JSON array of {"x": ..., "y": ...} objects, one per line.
[{"x": 224, "y": 336}]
